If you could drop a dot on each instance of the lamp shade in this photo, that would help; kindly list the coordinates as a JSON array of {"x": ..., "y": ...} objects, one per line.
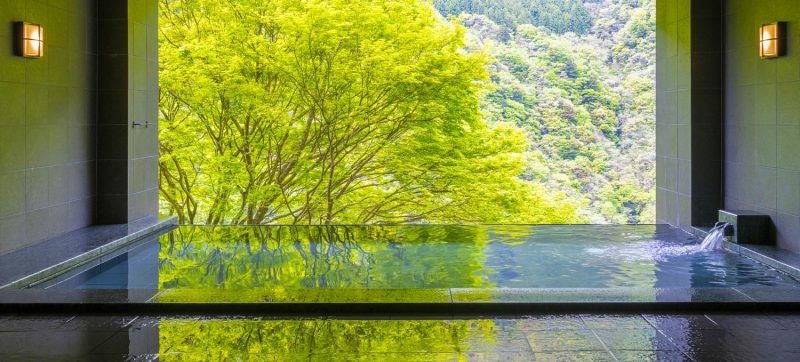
[
  {"x": 772, "y": 40},
  {"x": 29, "y": 40}
]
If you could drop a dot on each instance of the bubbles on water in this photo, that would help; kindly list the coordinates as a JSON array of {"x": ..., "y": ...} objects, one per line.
[
  {"x": 647, "y": 250},
  {"x": 630, "y": 235}
]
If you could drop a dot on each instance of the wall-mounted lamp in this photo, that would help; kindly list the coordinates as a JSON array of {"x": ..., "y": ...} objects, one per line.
[
  {"x": 29, "y": 40},
  {"x": 772, "y": 40}
]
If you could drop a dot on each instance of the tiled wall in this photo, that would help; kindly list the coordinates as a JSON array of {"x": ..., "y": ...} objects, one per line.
[
  {"x": 143, "y": 102},
  {"x": 688, "y": 112},
  {"x": 128, "y": 157},
  {"x": 69, "y": 157},
  {"x": 47, "y": 123},
  {"x": 762, "y": 117},
  {"x": 673, "y": 45}
]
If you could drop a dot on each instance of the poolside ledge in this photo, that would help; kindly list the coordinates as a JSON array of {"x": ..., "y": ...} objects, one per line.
[{"x": 20, "y": 268}]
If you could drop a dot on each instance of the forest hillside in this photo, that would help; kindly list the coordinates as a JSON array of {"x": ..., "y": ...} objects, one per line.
[
  {"x": 579, "y": 78},
  {"x": 407, "y": 111}
]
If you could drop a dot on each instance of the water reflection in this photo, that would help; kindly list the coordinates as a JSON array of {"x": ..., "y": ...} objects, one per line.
[
  {"x": 323, "y": 257},
  {"x": 331, "y": 339},
  {"x": 304, "y": 260},
  {"x": 448, "y": 257},
  {"x": 569, "y": 337}
]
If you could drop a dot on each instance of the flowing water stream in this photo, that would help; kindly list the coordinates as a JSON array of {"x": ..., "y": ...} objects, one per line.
[{"x": 715, "y": 237}]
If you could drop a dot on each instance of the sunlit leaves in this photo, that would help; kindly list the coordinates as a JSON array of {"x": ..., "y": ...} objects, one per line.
[{"x": 332, "y": 111}]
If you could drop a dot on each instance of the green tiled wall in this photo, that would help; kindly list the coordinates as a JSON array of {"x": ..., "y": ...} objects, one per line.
[
  {"x": 68, "y": 155},
  {"x": 762, "y": 117},
  {"x": 688, "y": 112},
  {"x": 47, "y": 123},
  {"x": 128, "y": 93}
]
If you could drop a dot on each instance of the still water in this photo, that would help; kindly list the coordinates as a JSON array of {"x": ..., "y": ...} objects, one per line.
[{"x": 416, "y": 256}]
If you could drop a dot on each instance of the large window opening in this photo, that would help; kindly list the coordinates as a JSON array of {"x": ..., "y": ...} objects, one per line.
[{"x": 407, "y": 111}]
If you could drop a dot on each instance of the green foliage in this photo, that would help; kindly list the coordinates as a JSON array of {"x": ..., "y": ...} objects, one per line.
[
  {"x": 585, "y": 102},
  {"x": 334, "y": 111},
  {"x": 559, "y": 16},
  {"x": 374, "y": 111}
]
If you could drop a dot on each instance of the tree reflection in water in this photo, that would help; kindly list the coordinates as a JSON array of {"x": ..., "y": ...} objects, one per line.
[
  {"x": 325, "y": 338},
  {"x": 411, "y": 340},
  {"x": 323, "y": 257}
]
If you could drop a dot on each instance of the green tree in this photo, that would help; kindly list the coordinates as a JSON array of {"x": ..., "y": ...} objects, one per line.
[
  {"x": 333, "y": 111},
  {"x": 585, "y": 101}
]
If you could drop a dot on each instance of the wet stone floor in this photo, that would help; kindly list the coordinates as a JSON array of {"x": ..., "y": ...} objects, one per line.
[
  {"x": 525, "y": 338},
  {"x": 750, "y": 337}
]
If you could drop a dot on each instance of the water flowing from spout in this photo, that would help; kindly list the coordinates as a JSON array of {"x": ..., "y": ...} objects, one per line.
[{"x": 713, "y": 241}]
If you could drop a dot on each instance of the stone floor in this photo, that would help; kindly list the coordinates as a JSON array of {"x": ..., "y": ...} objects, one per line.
[{"x": 743, "y": 337}]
